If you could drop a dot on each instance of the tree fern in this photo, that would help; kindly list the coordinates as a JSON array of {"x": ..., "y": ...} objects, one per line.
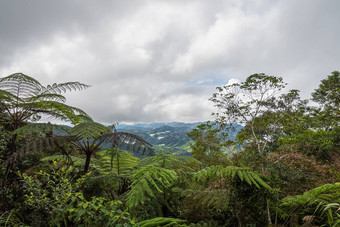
[
  {"x": 117, "y": 162},
  {"x": 23, "y": 98},
  {"x": 328, "y": 193},
  {"x": 321, "y": 202},
  {"x": 148, "y": 183},
  {"x": 87, "y": 137}
]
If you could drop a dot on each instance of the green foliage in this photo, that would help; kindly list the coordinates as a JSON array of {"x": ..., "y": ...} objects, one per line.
[
  {"x": 321, "y": 202},
  {"x": 242, "y": 173},
  {"x": 247, "y": 100},
  {"x": 224, "y": 194},
  {"x": 11, "y": 218},
  {"x": 55, "y": 196},
  {"x": 38, "y": 146},
  {"x": 288, "y": 169},
  {"x": 24, "y": 97},
  {"x": 328, "y": 92},
  {"x": 97, "y": 212},
  {"x": 292, "y": 145},
  {"x": 148, "y": 183},
  {"x": 115, "y": 161},
  {"x": 87, "y": 137},
  {"x": 91, "y": 135},
  {"x": 4, "y": 139},
  {"x": 162, "y": 159},
  {"x": 40, "y": 128},
  {"x": 208, "y": 144},
  {"x": 314, "y": 143},
  {"x": 162, "y": 221},
  {"x": 48, "y": 193},
  {"x": 88, "y": 131}
]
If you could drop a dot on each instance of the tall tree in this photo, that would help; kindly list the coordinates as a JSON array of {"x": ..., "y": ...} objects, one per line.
[
  {"x": 246, "y": 103},
  {"x": 327, "y": 95},
  {"x": 208, "y": 144},
  {"x": 259, "y": 105}
]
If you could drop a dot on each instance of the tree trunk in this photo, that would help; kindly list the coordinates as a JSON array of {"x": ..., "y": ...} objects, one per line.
[
  {"x": 87, "y": 162},
  {"x": 10, "y": 149}
]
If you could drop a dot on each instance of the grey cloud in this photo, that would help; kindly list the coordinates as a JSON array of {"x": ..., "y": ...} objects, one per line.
[{"x": 140, "y": 56}]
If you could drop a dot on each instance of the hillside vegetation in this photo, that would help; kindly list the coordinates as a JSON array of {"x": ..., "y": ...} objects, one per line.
[{"x": 269, "y": 158}]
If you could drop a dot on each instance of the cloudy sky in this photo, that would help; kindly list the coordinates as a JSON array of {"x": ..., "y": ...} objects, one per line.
[{"x": 160, "y": 61}]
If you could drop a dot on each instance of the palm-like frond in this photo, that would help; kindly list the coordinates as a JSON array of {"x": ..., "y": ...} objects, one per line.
[
  {"x": 88, "y": 130},
  {"x": 38, "y": 146},
  {"x": 46, "y": 97},
  {"x": 117, "y": 162},
  {"x": 148, "y": 182},
  {"x": 127, "y": 140},
  {"x": 6, "y": 96},
  {"x": 328, "y": 193},
  {"x": 212, "y": 173},
  {"x": 56, "y": 110},
  {"x": 63, "y": 87},
  {"x": 23, "y": 96},
  {"x": 200, "y": 199},
  {"x": 162, "y": 159},
  {"x": 20, "y": 85},
  {"x": 322, "y": 203},
  {"x": 39, "y": 127}
]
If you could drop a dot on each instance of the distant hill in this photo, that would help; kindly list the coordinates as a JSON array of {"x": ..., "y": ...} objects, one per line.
[
  {"x": 170, "y": 137},
  {"x": 164, "y": 136}
]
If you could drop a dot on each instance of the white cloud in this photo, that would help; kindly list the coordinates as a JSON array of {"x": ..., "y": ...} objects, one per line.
[{"x": 233, "y": 81}]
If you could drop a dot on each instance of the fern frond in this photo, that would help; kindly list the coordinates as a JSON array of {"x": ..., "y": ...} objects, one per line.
[
  {"x": 6, "y": 96},
  {"x": 88, "y": 130},
  {"x": 46, "y": 97},
  {"x": 147, "y": 182},
  {"x": 328, "y": 193},
  {"x": 201, "y": 199},
  {"x": 57, "y": 110},
  {"x": 39, "y": 127},
  {"x": 37, "y": 146},
  {"x": 116, "y": 161},
  {"x": 23, "y": 96},
  {"x": 128, "y": 140},
  {"x": 21, "y": 85},
  {"x": 63, "y": 87},
  {"x": 321, "y": 202},
  {"x": 212, "y": 173}
]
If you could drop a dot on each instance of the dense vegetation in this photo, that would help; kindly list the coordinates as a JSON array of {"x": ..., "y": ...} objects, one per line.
[{"x": 268, "y": 159}]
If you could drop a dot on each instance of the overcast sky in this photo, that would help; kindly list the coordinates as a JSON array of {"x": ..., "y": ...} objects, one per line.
[{"x": 160, "y": 61}]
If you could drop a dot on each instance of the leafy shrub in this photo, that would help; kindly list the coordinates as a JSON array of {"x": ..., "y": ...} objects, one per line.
[
  {"x": 97, "y": 212},
  {"x": 55, "y": 198}
]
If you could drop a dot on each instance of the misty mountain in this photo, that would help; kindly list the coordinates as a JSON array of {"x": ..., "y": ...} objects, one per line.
[{"x": 170, "y": 137}]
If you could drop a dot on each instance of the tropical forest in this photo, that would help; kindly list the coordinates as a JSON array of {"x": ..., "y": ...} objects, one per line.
[{"x": 268, "y": 158}]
